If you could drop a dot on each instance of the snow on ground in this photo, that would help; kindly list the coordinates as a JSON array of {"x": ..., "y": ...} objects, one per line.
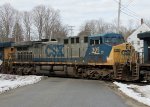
[
  {"x": 1, "y": 62},
  {"x": 137, "y": 92},
  {"x": 8, "y": 82}
]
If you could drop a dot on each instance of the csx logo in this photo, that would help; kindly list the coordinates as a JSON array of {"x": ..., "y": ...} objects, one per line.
[
  {"x": 125, "y": 52},
  {"x": 54, "y": 50}
]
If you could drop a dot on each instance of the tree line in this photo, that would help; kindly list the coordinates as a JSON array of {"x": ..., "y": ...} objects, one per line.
[
  {"x": 40, "y": 23},
  {"x": 45, "y": 23},
  {"x": 100, "y": 26}
]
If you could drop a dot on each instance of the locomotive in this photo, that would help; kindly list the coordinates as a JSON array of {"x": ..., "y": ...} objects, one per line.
[
  {"x": 101, "y": 56},
  {"x": 144, "y": 66}
]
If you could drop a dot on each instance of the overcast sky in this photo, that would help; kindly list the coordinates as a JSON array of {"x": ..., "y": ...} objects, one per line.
[{"x": 76, "y": 12}]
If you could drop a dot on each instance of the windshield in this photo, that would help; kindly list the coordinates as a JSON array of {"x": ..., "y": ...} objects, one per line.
[{"x": 114, "y": 40}]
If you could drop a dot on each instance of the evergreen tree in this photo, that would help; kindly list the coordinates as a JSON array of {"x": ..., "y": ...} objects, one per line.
[{"x": 17, "y": 32}]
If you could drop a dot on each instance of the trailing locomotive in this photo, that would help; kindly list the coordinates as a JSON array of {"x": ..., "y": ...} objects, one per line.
[
  {"x": 102, "y": 56},
  {"x": 144, "y": 67}
]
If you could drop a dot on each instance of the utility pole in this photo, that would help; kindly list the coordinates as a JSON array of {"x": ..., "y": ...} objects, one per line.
[
  {"x": 71, "y": 30},
  {"x": 119, "y": 11}
]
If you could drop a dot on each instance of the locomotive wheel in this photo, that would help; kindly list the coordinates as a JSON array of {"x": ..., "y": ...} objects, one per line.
[
  {"x": 95, "y": 73},
  {"x": 25, "y": 71},
  {"x": 10, "y": 71},
  {"x": 19, "y": 71},
  {"x": 1, "y": 68},
  {"x": 75, "y": 72},
  {"x": 32, "y": 71},
  {"x": 14, "y": 70}
]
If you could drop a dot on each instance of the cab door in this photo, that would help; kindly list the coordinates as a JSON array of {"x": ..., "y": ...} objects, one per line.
[{"x": 94, "y": 54}]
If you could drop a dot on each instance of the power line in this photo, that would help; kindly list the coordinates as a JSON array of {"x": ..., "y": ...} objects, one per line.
[
  {"x": 134, "y": 15},
  {"x": 116, "y": 1},
  {"x": 130, "y": 15},
  {"x": 125, "y": 6},
  {"x": 131, "y": 12}
]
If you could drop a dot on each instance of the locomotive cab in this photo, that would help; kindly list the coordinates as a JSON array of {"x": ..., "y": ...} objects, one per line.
[
  {"x": 100, "y": 47},
  {"x": 111, "y": 50},
  {"x": 110, "y": 39}
]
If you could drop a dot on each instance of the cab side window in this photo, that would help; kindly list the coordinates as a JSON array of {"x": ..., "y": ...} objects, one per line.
[
  {"x": 95, "y": 41},
  {"x": 91, "y": 42},
  {"x": 85, "y": 39}
]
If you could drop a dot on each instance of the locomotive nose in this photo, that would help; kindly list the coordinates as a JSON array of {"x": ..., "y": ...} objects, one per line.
[{"x": 128, "y": 46}]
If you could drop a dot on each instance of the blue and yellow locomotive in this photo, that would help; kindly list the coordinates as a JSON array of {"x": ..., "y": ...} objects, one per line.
[{"x": 104, "y": 56}]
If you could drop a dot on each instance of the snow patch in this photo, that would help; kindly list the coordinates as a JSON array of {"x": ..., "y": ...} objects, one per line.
[
  {"x": 1, "y": 62},
  {"x": 137, "y": 92},
  {"x": 8, "y": 82}
]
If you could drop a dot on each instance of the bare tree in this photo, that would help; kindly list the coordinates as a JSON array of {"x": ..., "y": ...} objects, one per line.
[
  {"x": 85, "y": 30},
  {"x": 53, "y": 27},
  {"x": 95, "y": 27},
  {"x": 88, "y": 27},
  {"x": 100, "y": 26},
  {"x": 27, "y": 25},
  {"x": 147, "y": 21},
  {"x": 59, "y": 31},
  {"x": 39, "y": 19},
  {"x": 114, "y": 25},
  {"x": 17, "y": 32},
  {"x": 63, "y": 31},
  {"x": 47, "y": 21},
  {"x": 52, "y": 19},
  {"x": 7, "y": 18},
  {"x": 1, "y": 33}
]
